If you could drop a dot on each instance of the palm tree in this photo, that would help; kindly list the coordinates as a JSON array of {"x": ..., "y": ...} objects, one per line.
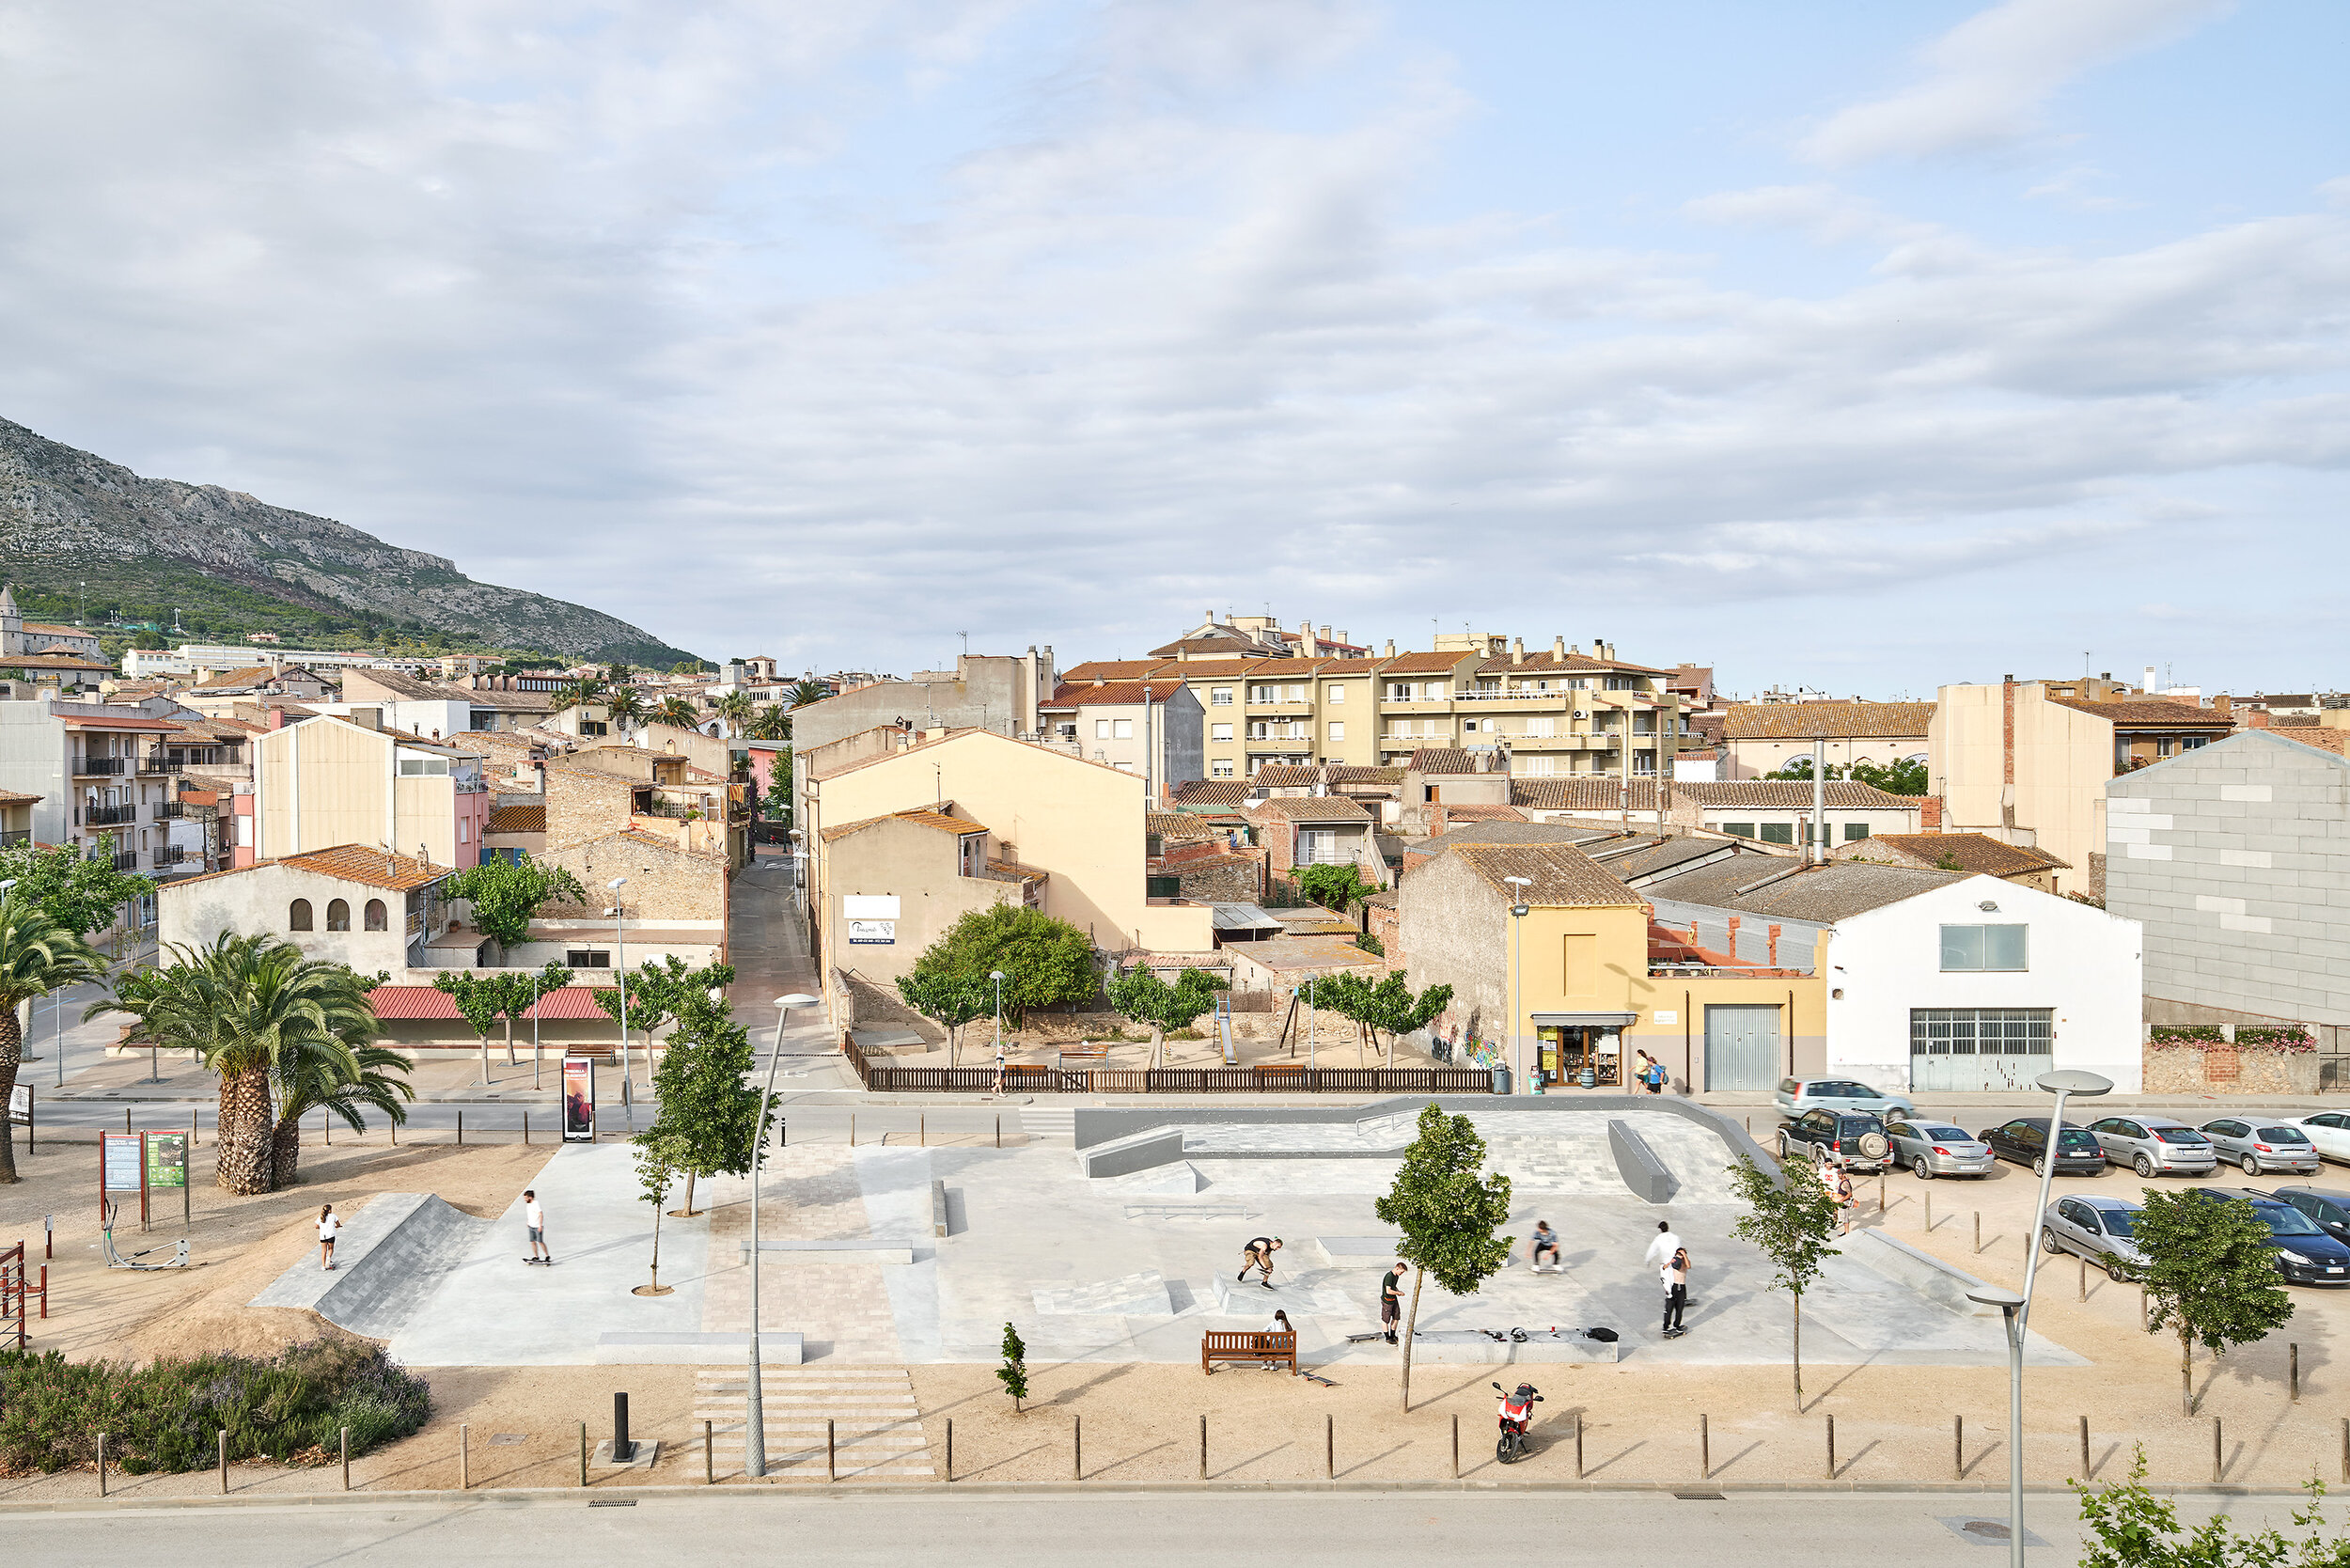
[
  {"x": 625, "y": 707},
  {"x": 770, "y": 723},
  {"x": 735, "y": 708},
  {"x": 679, "y": 711},
  {"x": 36, "y": 957},
  {"x": 313, "y": 1079},
  {"x": 802, "y": 693},
  {"x": 579, "y": 694},
  {"x": 249, "y": 1008}
]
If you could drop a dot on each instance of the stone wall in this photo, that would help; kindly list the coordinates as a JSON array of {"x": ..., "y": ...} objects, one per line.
[
  {"x": 1232, "y": 876},
  {"x": 663, "y": 882},
  {"x": 584, "y": 806},
  {"x": 2225, "y": 1070}
]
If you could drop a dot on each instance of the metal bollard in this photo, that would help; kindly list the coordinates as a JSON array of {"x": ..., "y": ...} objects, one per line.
[
  {"x": 922, "y": 1130},
  {"x": 583, "y": 1453},
  {"x": 102, "y": 1457},
  {"x": 710, "y": 1462},
  {"x": 2084, "y": 1448},
  {"x": 1958, "y": 1448},
  {"x": 525, "y": 1129},
  {"x": 1978, "y": 1230},
  {"x": 1705, "y": 1451},
  {"x": 2084, "y": 1263},
  {"x": 1329, "y": 1447},
  {"x": 345, "y": 1441},
  {"x": 999, "y": 1129},
  {"x": 623, "y": 1448},
  {"x": 1831, "y": 1448},
  {"x": 950, "y": 1449},
  {"x": 1203, "y": 1446},
  {"x": 461, "y": 1129},
  {"x": 832, "y": 1452},
  {"x": 1579, "y": 1445},
  {"x": 224, "y": 1461},
  {"x": 1456, "y": 1447},
  {"x": 2345, "y": 1451},
  {"x": 2293, "y": 1363},
  {"x": 464, "y": 1456},
  {"x": 1929, "y": 1198},
  {"x": 1880, "y": 1194},
  {"x": 853, "y": 1129},
  {"x": 2218, "y": 1462},
  {"x": 1077, "y": 1448}
]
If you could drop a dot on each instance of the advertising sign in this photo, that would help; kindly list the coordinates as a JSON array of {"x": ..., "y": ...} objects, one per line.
[
  {"x": 166, "y": 1159},
  {"x": 21, "y": 1105},
  {"x": 579, "y": 1100},
  {"x": 871, "y": 918}
]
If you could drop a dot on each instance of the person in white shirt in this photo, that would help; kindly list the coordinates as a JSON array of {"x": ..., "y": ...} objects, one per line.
[
  {"x": 1660, "y": 1251},
  {"x": 328, "y": 1226},
  {"x": 1675, "y": 1277},
  {"x": 536, "y": 1219}
]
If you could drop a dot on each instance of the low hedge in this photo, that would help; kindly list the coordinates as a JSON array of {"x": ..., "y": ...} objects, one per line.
[{"x": 166, "y": 1415}]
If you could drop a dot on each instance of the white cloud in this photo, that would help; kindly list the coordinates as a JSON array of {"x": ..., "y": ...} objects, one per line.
[{"x": 1987, "y": 78}]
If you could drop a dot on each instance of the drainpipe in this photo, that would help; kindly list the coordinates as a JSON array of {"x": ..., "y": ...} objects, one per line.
[{"x": 1819, "y": 800}]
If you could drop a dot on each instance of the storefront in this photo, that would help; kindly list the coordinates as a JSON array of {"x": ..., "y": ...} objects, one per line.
[{"x": 1573, "y": 1044}]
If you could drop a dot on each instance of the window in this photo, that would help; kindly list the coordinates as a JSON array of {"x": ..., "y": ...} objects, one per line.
[
  {"x": 338, "y": 915},
  {"x": 1855, "y": 831},
  {"x": 1961, "y": 1031},
  {"x": 1154, "y": 844},
  {"x": 1738, "y": 830},
  {"x": 1779, "y": 832},
  {"x": 1219, "y": 731},
  {"x": 1122, "y": 729},
  {"x": 377, "y": 916},
  {"x": 1983, "y": 947},
  {"x": 1398, "y": 691},
  {"x": 1338, "y": 731},
  {"x": 1333, "y": 693},
  {"x": 1627, "y": 683},
  {"x": 1101, "y": 730},
  {"x": 464, "y": 830},
  {"x": 587, "y": 958},
  {"x": 1220, "y": 768},
  {"x": 1219, "y": 696},
  {"x": 424, "y": 768},
  {"x": 298, "y": 915},
  {"x": 1067, "y": 731},
  {"x": 1544, "y": 725}
]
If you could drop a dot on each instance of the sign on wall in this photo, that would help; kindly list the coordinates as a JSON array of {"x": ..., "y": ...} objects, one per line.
[{"x": 871, "y": 918}]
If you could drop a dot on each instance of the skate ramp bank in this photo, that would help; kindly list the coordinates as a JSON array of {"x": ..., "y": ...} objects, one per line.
[{"x": 392, "y": 1255}]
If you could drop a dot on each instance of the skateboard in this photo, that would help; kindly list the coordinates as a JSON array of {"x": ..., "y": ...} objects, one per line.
[
  {"x": 1548, "y": 1268},
  {"x": 1312, "y": 1378},
  {"x": 547, "y": 1260}
]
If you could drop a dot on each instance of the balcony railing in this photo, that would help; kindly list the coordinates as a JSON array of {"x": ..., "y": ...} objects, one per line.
[
  {"x": 14, "y": 837},
  {"x": 669, "y": 809},
  {"x": 109, "y": 816},
  {"x": 128, "y": 860},
  {"x": 158, "y": 763},
  {"x": 170, "y": 810},
  {"x": 170, "y": 854},
  {"x": 90, "y": 766}
]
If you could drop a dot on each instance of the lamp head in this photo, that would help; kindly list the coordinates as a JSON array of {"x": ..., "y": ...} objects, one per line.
[
  {"x": 995, "y": 975},
  {"x": 1996, "y": 1295},
  {"x": 617, "y": 881},
  {"x": 797, "y": 998},
  {"x": 1520, "y": 910},
  {"x": 2073, "y": 1082}
]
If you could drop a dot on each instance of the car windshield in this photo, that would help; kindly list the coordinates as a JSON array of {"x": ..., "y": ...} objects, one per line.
[
  {"x": 1949, "y": 1135},
  {"x": 2284, "y": 1134},
  {"x": 1853, "y": 1126},
  {"x": 2117, "y": 1221},
  {"x": 2180, "y": 1135},
  {"x": 2284, "y": 1221},
  {"x": 2080, "y": 1138}
]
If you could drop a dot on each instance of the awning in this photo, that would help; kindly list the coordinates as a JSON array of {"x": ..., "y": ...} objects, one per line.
[
  {"x": 1243, "y": 917},
  {"x": 1585, "y": 1020}
]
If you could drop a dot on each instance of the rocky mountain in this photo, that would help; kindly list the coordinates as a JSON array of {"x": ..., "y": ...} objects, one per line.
[{"x": 67, "y": 516}]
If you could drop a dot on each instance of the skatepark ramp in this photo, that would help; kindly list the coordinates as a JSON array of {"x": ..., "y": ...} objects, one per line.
[{"x": 390, "y": 1258}]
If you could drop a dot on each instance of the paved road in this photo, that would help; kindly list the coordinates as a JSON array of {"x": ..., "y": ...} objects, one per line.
[{"x": 1135, "y": 1529}]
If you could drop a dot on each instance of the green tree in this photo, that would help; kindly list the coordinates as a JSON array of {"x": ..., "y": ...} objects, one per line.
[
  {"x": 246, "y": 1006},
  {"x": 1790, "y": 1218},
  {"x": 660, "y": 990},
  {"x": 1336, "y": 887},
  {"x": 1139, "y": 994},
  {"x": 655, "y": 1170},
  {"x": 315, "y": 1080},
  {"x": 1449, "y": 1212},
  {"x": 1387, "y": 1007},
  {"x": 949, "y": 1001},
  {"x": 481, "y": 997},
  {"x": 2210, "y": 1274},
  {"x": 1044, "y": 961},
  {"x": 1013, "y": 1373},
  {"x": 81, "y": 894},
  {"x": 709, "y": 1117},
  {"x": 38, "y": 954},
  {"x": 1905, "y": 776},
  {"x": 507, "y": 895},
  {"x": 1799, "y": 768}
]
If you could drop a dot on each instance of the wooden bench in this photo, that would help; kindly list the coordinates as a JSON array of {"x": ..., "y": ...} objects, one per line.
[
  {"x": 1084, "y": 1053},
  {"x": 1265, "y": 1348}
]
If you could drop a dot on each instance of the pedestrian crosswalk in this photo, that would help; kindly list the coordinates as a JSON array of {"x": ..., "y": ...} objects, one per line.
[
  {"x": 1053, "y": 1123},
  {"x": 876, "y": 1428}
]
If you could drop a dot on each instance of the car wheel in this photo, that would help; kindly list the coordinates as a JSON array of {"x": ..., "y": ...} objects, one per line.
[
  {"x": 2040, "y": 1165},
  {"x": 1782, "y": 1148},
  {"x": 2145, "y": 1168},
  {"x": 2115, "y": 1272},
  {"x": 2048, "y": 1242},
  {"x": 1920, "y": 1168},
  {"x": 2251, "y": 1166}
]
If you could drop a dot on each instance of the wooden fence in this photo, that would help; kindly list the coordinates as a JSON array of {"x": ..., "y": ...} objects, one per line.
[{"x": 1170, "y": 1080}]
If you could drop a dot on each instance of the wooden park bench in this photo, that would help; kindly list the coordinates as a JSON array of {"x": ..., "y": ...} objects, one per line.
[
  {"x": 1263, "y": 1348},
  {"x": 1084, "y": 1053}
]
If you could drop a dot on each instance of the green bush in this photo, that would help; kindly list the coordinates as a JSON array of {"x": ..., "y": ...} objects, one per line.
[{"x": 165, "y": 1417}]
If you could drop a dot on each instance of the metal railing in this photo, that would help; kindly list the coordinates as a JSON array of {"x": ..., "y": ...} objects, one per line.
[
  {"x": 128, "y": 860},
  {"x": 170, "y": 810},
  {"x": 108, "y": 816},
  {"x": 170, "y": 854},
  {"x": 1029, "y": 1079},
  {"x": 158, "y": 763},
  {"x": 89, "y": 766},
  {"x": 14, "y": 837}
]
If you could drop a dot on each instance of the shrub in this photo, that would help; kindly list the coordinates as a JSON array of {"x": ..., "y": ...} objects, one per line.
[{"x": 164, "y": 1417}]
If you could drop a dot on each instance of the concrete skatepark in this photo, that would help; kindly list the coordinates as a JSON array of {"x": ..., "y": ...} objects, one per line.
[{"x": 1120, "y": 1245}]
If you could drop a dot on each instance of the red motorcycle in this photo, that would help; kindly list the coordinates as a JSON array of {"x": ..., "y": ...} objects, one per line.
[{"x": 1517, "y": 1414}]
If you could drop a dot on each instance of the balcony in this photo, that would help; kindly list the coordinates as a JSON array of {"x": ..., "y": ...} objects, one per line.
[
  {"x": 157, "y": 762},
  {"x": 98, "y": 767},
  {"x": 128, "y": 860},
  {"x": 669, "y": 809},
  {"x": 14, "y": 837},
  {"x": 170, "y": 854},
  {"x": 109, "y": 816},
  {"x": 1554, "y": 698},
  {"x": 170, "y": 810}
]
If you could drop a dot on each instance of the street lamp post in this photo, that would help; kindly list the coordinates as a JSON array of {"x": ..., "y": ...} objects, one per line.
[
  {"x": 2016, "y": 1310},
  {"x": 1517, "y": 1018},
  {"x": 755, "y": 1409},
  {"x": 620, "y": 938}
]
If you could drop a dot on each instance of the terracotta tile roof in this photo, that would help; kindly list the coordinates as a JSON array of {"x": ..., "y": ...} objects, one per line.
[
  {"x": 1181, "y": 825},
  {"x": 1205, "y": 670},
  {"x": 1591, "y": 792},
  {"x": 133, "y": 720},
  {"x": 1212, "y": 791},
  {"x": 1969, "y": 852},
  {"x": 1442, "y": 759},
  {"x": 401, "y": 684},
  {"x": 1572, "y": 663},
  {"x": 48, "y": 631},
  {"x": 1482, "y": 814},
  {"x": 48, "y": 661},
  {"x": 360, "y": 863},
  {"x": 1805, "y": 721},
  {"x": 237, "y": 680},
  {"x": 1423, "y": 664},
  {"x": 921, "y": 816},
  {"x": 1284, "y": 667},
  {"x": 1788, "y": 795},
  {"x": 1514, "y": 833},
  {"x": 1118, "y": 694},
  {"x": 518, "y": 819},
  {"x": 10, "y": 797},
  {"x": 1347, "y": 773},
  {"x": 1274, "y": 775},
  {"x": 1112, "y": 670},
  {"x": 1311, "y": 808},
  {"x": 2156, "y": 714},
  {"x": 1307, "y": 952},
  {"x": 1349, "y": 666},
  {"x": 2321, "y": 738},
  {"x": 1562, "y": 875}
]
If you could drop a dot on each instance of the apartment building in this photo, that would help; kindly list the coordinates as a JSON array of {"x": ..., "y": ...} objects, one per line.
[
  {"x": 1768, "y": 737},
  {"x": 998, "y": 693},
  {"x": 104, "y": 783},
  {"x": 328, "y": 781},
  {"x": 1149, "y": 727}
]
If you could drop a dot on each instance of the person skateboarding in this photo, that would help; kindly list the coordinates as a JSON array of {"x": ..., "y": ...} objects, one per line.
[
  {"x": 1545, "y": 1240},
  {"x": 1257, "y": 1255},
  {"x": 535, "y": 1218}
]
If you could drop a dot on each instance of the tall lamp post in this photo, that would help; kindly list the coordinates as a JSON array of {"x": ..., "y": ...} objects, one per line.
[
  {"x": 619, "y": 937},
  {"x": 1517, "y": 1018},
  {"x": 755, "y": 1410},
  {"x": 2016, "y": 1310}
]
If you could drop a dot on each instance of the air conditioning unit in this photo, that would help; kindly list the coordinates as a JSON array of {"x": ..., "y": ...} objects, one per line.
[{"x": 1581, "y": 714}]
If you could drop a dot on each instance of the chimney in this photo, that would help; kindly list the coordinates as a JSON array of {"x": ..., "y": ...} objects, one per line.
[
  {"x": 2150, "y": 678},
  {"x": 1558, "y": 647},
  {"x": 1517, "y": 651},
  {"x": 365, "y": 718},
  {"x": 1183, "y": 654},
  {"x": 1930, "y": 813},
  {"x": 1389, "y": 652},
  {"x": 1344, "y": 639}
]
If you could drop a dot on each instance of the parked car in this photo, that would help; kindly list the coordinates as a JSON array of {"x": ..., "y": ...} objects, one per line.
[
  {"x": 1853, "y": 1139},
  {"x": 2329, "y": 1131},
  {"x": 2155, "y": 1145},
  {"x": 2328, "y": 1206},
  {"x": 1932, "y": 1149},
  {"x": 2306, "y": 1255},
  {"x": 1799, "y": 1095},
  {"x": 2096, "y": 1228},
  {"x": 2025, "y": 1140},
  {"x": 2262, "y": 1144}
]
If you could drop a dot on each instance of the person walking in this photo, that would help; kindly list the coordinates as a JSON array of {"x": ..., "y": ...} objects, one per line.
[
  {"x": 535, "y": 1218},
  {"x": 1657, "y": 1076},
  {"x": 328, "y": 1226},
  {"x": 1839, "y": 1188},
  {"x": 1391, "y": 1303},
  {"x": 1675, "y": 1275},
  {"x": 1257, "y": 1255}
]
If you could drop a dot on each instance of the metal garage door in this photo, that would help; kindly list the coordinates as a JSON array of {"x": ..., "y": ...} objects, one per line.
[{"x": 1741, "y": 1047}]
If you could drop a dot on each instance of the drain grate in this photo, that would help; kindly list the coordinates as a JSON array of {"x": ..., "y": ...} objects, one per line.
[
  {"x": 1701, "y": 1496},
  {"x": 612, "y": 1502}
]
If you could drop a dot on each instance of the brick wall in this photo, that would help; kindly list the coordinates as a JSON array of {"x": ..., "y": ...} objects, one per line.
[{"x": 1230, "y": 876}]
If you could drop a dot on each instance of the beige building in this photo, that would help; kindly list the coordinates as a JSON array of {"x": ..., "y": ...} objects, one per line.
[
  {"x": 2025, "y": 768},
  {"x": 1150, "y": 727},
  {"x": 327, "y": 781},
  {"x": 1761, "y": 738},
  {"x": 349, "y": 903},
  {"x": 898, "y": 881},
  {"x": 1079, "y": 822}
]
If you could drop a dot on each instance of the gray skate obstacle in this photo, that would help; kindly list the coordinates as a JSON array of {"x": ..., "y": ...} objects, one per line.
[{"x": 390, "y": 1258}]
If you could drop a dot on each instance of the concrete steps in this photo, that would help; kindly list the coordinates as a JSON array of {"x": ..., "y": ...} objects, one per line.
[{"x": 877, "y": 1428}]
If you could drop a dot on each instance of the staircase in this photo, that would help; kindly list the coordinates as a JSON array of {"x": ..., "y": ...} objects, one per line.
[{"x": 877, "y": 1431}]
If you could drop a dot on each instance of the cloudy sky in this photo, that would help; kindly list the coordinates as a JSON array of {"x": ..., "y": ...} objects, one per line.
[{"x": 1861, "y": 346}]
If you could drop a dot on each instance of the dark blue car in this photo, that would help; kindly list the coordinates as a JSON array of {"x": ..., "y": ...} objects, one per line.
[{"x": 2306, "y": 1255}]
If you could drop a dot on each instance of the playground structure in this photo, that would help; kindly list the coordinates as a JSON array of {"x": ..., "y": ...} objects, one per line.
[
  {"x": 16, "y": 1294},
  {"x": 116, "y": 1259}
]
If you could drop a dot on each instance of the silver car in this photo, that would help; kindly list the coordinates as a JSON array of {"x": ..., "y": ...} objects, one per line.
[
  {"x": 2156, "y": 1146},
  {"x": 2262, "y": 1143},
  {"x": 1799, "y": 1095},
  {"x": 2098, "y": 1229},
  {"x": 1932, "y": 1149}
]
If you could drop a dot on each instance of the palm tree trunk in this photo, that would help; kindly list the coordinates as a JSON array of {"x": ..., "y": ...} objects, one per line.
[
  {"x": 285, "y": 1148},
  {"x": 1411, "y": 1324},
  {"x": 11, "y": 1057},
  {"x": 244, "y": 1131}
]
